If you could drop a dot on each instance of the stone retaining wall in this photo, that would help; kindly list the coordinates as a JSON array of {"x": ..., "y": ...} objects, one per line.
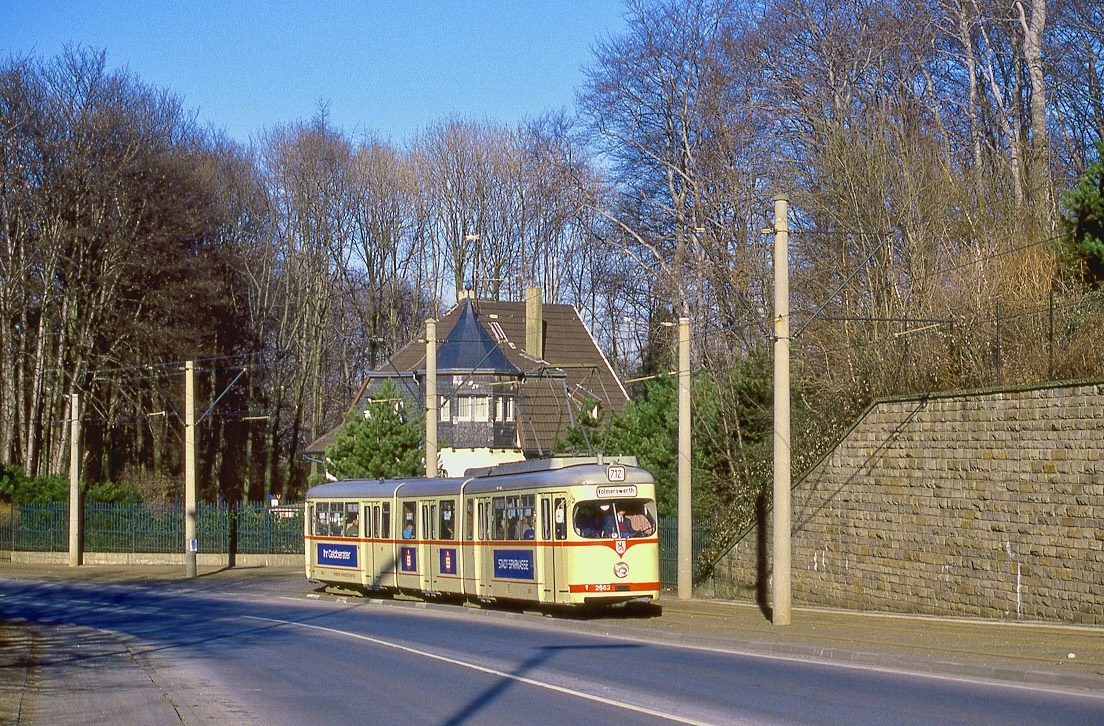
[{"x": 988, "y": 504}]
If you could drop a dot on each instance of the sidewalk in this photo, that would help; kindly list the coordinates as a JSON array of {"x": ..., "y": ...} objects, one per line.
[
  {"x": 1038, "y": 654},
  {"x": 1021, "y": 652}
]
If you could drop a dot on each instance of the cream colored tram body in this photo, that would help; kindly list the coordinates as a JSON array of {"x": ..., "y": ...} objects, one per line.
[{"x": 571, "y": 531}]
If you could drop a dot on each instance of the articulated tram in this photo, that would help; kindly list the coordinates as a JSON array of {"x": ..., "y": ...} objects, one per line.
[{"x": 571, "y": 531}]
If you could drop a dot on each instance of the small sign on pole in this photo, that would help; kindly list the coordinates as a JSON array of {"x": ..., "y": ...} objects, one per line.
[{"x": 193, "y": 545}]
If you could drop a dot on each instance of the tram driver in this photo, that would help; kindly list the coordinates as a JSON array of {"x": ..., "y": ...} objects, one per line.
[{"x": 622, "y": 526}]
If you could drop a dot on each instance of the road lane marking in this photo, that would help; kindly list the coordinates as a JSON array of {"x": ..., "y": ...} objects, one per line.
[
  {"x": 829, "y": 657},
  {"x": 493, "y": 672}
]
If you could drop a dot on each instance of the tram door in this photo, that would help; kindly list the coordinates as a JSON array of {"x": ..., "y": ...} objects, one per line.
[
  {"x": 554, "y": 556},
  {"x": 483, "y": 557},
  {"x": 547, "y": 551},
  {"x": 427, "y": 544},
  {"x": 384, "y": 555},
  {"x": 471, "y": 546},
  {"x": 445, "y": 567},
  {"x": 364, "y": 532}
]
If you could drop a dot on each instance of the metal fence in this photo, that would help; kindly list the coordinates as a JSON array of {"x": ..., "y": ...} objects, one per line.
[
  {"x": 668, "y": 549},
  {"x": 36, "y": 528},
  {"x": 220, "y": 528}
]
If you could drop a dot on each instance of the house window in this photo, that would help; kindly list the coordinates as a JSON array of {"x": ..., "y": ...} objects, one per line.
[
  {"x": 444, "y": 407},
  {"x": 473, "y": 408},
  {"x": 480, "y": 408},
  {"x": 504, "y": 408}
]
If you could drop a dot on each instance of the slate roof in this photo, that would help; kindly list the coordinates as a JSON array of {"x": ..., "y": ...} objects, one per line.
[
  {"x": 571, "y": 372},
  {"x": 469, "y": 347}
]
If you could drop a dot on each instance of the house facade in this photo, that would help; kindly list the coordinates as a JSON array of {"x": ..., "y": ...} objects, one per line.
[{"x": 512, "y": 377}]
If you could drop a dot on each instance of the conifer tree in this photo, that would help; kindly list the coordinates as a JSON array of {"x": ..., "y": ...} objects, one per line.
[
  {"x": 379, "y": 442},
  {"x": 1084, "y": 220}
]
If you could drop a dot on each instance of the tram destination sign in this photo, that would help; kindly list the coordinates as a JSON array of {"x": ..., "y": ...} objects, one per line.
[{"x": 628, "y": 490}]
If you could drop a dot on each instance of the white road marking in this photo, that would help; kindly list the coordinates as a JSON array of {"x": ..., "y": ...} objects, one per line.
[
  {"x": 827, "y": 659},
  {"x": 490, "y": 671}
]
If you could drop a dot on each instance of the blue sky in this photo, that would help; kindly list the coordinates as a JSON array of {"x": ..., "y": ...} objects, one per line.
[{"x": 385, "y": 68}]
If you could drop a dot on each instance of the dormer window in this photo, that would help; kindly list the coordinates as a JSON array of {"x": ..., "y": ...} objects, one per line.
[
  {"x": 473, "y": 408},
  {"x": 505, "y": 408}
]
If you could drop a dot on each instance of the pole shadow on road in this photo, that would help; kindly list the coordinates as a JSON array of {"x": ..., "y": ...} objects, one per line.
[{"x": 540, "y": 657}]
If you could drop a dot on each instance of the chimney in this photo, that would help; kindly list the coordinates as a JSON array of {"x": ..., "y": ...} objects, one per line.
[{"x": 534, "y": 323}]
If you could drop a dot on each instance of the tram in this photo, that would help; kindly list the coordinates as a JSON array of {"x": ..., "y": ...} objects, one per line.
[{"x": 566, "y": 531}]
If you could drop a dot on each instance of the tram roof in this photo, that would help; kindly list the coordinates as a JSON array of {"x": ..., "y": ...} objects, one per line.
[
  {"x": 550, "y": 473},
  {"x": 378, "y": 488}
]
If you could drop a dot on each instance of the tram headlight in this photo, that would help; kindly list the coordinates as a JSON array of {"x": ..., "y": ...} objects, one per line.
[{"x": 621, "y": 569}]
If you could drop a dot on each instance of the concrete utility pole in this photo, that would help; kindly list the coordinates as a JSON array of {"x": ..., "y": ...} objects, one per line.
[
  {"x": 685, "y": 532},
  {"x": 191, "y": 544},
  {"x": 780, "y": 590},
  {"x": 431, "y": 399},
  {"x": 74, "y": 481}
]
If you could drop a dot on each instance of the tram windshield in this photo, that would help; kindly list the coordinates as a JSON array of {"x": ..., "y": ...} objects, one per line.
[{"x": 616, "y": 518}]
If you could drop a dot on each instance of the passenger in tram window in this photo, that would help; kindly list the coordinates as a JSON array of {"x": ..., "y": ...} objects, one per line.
[
  {"x": 590, "y": 521},
  {"x": 352, "y": 526},
  {"x": 408, "y": 530},
  {"x": 527, "y": 531},
  {"x": 640, "y": 521}
]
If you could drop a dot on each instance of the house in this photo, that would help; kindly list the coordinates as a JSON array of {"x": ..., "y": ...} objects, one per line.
[{"x": 511, "y": 378}]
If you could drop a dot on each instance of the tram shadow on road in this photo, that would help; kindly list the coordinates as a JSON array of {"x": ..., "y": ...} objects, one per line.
[{"x": 631, "y": 610}]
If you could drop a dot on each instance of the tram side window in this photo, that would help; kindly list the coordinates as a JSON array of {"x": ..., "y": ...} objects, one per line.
[
  {"x": 409, "y": 520},
  {"x": 322, "y": 518},
  {"x": 331, "y": 519},
  {"x": 514, "y": 517},
  {"x": 561, "y": 519},
  {"x": 385, "y": 527},
  {"x": 527, "y": 511},
  {"x": 351, "y": 526},
  {"x": 469, "y": 520},
  {"x": 447, "y": 523},
  {"x": 498, "y": 518},
  {"x": 546, "y": 520}
]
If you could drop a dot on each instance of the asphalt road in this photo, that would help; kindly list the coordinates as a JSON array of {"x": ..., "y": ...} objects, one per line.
[{"x": 275, "y": 651}]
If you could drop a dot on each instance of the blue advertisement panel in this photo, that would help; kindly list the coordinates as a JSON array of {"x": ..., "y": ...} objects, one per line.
[
  {"x": 337, "y": 555},
  {"x": 514, "y": 564},
  {"x": 408, "y": 559},
  {"x": 448, "y": 561}
]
